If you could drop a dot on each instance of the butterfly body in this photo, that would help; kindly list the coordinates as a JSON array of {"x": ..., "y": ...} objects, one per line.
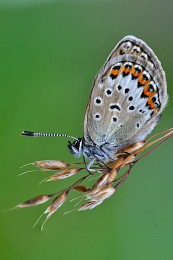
[{"x": 127, "y": 98}]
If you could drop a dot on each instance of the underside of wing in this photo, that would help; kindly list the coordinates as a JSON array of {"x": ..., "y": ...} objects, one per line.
[{"x": 128, "y": 95}]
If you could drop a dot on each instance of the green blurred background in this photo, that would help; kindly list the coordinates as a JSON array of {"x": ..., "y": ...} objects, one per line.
[{"x": 50, "y": 52}]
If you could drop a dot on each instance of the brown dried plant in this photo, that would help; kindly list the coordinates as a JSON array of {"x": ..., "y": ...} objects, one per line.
[{"x": 110, "y": 178}]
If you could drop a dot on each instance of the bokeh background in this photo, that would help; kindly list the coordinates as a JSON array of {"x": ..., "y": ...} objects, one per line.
[{"x": 50, "y": 53}]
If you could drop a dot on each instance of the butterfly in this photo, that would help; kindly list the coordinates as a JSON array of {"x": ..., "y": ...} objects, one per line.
[{"x": 128, "y": 96}]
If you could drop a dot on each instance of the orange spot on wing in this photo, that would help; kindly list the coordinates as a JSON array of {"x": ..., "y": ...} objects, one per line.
[
  {"x": 134, "y": 72},
  {"x": 114, "y": 72},
  {"x": 126, "y": 70},
  {"x": 143, "y": 81},
  {"x": 151, "y": 104},
  {"x": 148, "y": 93}
]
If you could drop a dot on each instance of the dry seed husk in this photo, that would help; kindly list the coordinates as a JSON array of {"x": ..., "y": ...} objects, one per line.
[
  {"x": 51, "y": 164},
  {"x": 89, "y": 205},
  {"x": 64, "y": 174},
  {"x": 56, "y": 204},
  {"x": 81, "y": 188},
  {"x": 40, "y": 199}
]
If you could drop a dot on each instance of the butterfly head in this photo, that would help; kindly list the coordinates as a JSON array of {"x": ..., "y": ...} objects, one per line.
[{"x": 76, "y": 148}]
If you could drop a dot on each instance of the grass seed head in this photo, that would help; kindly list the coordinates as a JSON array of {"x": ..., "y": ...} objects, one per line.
[
  {"x": 64, "y": 174},
  {"x": 103, "y": 194},
  {"x": 35, "y": 201},
  {"x": 51, "y": 164},
  {"x": 56, "y": 204},
  {"x": 89, "y": 205},
  {"x": 81, "y": 188}
]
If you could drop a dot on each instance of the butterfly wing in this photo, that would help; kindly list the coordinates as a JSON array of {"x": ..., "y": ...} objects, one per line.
[{"x": 128, "y": 95}]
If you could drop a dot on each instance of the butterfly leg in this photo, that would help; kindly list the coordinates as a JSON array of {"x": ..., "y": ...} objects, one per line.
[{"x": 91, "y": 171}]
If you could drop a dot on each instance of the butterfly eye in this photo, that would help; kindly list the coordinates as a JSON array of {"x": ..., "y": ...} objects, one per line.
[
  {"x": 78, "y": 144},
  {"x": 76, "y": 147}
]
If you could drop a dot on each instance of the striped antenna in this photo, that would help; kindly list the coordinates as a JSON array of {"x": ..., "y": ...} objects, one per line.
[{"x": 35, "y": 134}]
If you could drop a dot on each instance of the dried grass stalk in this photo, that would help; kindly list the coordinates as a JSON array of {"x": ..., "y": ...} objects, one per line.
[{"x": 107, "y": 183}]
